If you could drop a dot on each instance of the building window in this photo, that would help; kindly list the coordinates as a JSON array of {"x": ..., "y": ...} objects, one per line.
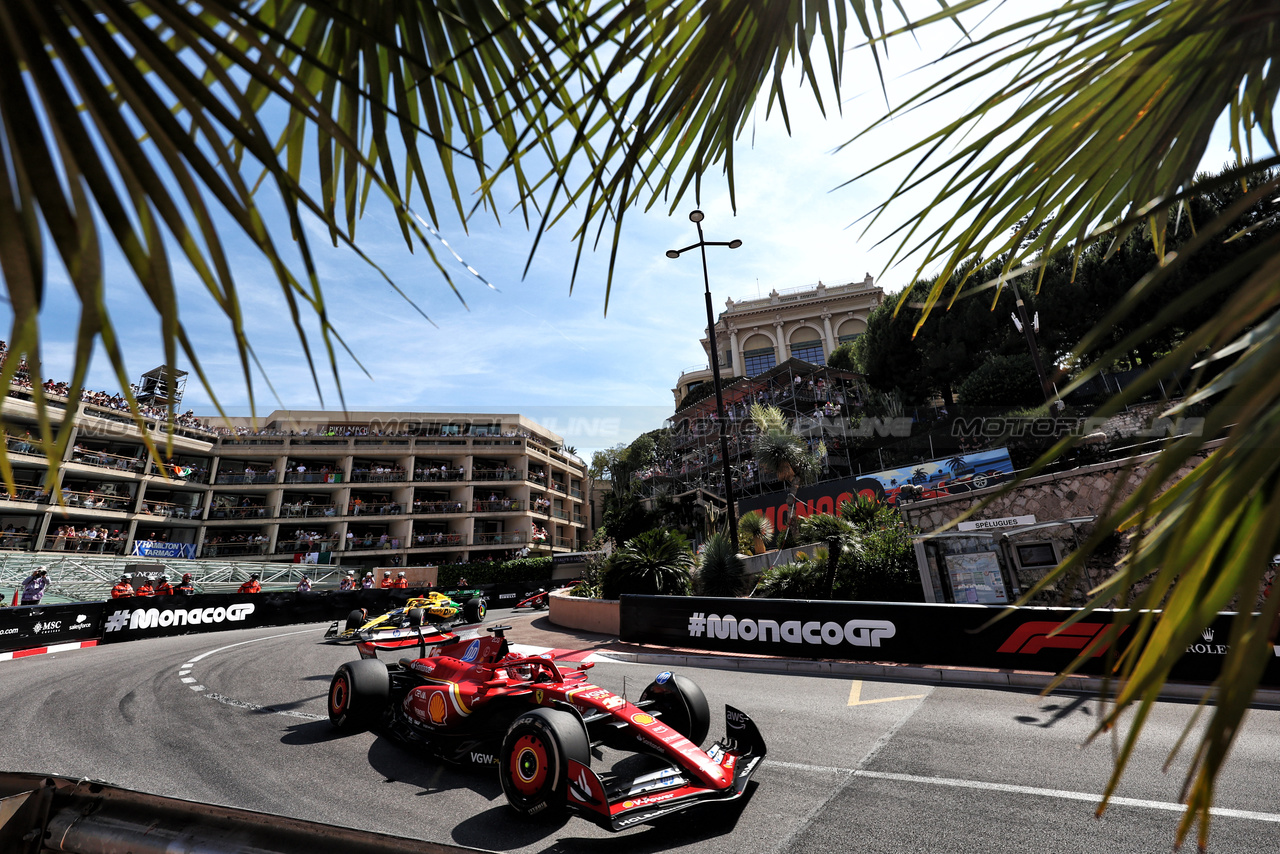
[
  {"x": 845, "y": 339},
  {"x": 758, "y": 361},
  {"x": 808, "y": 351}
]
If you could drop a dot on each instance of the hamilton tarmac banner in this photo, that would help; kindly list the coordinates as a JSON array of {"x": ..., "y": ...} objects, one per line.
[{"x": 903, "y": 633}]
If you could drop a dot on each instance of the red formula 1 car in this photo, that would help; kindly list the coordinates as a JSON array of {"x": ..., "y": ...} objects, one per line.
[
  {"x": 473, "y": 701},
  {"x": 537, "y": 601}
]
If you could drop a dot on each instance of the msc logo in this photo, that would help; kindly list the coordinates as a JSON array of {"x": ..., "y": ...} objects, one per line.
[{"x": 1030, "y": 638}]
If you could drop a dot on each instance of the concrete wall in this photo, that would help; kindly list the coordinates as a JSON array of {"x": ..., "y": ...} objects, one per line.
[{"x": 589, "y": 615}]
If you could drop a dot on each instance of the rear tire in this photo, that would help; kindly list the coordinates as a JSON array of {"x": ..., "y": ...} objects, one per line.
[
  {"x": 681, "y": 705},
  {"x": 358, "y": 694},
  {"x": 474, "y": 610},
  {"x": 533, "y": 764}
]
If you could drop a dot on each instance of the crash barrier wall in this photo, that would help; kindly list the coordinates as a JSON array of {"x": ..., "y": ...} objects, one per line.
[
  {"x": 589, "y": 615},
  {"x": 137, "y": 617},
  {"x": 31, "y": 626},
  {"x": 902, "y": 633},
  {"x": 76, "y": 818}
]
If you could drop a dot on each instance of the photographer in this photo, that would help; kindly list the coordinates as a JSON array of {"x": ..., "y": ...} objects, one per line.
[{"x": 34, "y": 585}]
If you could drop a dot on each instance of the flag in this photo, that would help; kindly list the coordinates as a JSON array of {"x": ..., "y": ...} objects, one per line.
[
  {"x": 311, "y": 557},
  {"x": 298, "y": 557}
]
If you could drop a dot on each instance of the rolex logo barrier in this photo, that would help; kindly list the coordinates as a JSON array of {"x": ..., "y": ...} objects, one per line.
[{"x": 1041, "y": 639}]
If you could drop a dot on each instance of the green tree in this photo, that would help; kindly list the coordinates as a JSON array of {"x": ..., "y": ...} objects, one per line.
[
  {"x": 655, "y": 562},
  {"x": 1002, "y": 381},
  {"x": 778, "y": 450},
  {"x": 843, "y": 358},
  {"x": 754, "y": 531},
  {"x": 840, "y": 537},
  {"x": 719, "y": 568}
]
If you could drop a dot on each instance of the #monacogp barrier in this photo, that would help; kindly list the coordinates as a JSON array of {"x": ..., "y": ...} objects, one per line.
[
  {"x": 135, "y": 617},
  {"x": 902, "y": 633}
]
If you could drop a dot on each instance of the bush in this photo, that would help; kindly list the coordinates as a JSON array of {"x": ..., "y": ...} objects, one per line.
[
  {"x": 656, "y": 562},
  {"x": 720, "y": 572},
  {"x": 791, "y": 581},
  {"x": 492, "y": 572}
]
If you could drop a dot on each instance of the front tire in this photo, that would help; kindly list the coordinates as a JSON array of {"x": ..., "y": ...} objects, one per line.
[
  {"x": 356, "y": 619},
  {"x": 533, "y": 764},
  {"x": 474, "y": 609},
  {"x": 680, "y": 704},
  {"x": 358, "y": 694}
]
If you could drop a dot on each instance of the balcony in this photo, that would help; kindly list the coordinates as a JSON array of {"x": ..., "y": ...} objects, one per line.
[
  {"x": 312, "y": 477},
  {"x": 436, "y": 475},
  {"x": 439, "y": 507},
  {"x": 233, "y": 549},
  {"x": 564, "y": 542},
  {"x": 103, "y": 460},
  {"x": 15, "y": 542},
  {"x": 250, "y": 477},
  {"x": 307, "y": 510},
  {"x": 498, "y": 538},
  {"x": 376, "y": 508},
  {"x": 93, "y": 501},
  {"x": 560, "y": 514},
  {"x": 478, "y": 475},
  {"x": 397, "y": 475},
  {"x": 575, "y": 492},
  {"x": 504, "y": 505},
  {"x": 296, "y": 545},
  {"x": 437, "y": 541},
  {"x": 83, "y": 545},
  {"x": 371, "y": 543}
]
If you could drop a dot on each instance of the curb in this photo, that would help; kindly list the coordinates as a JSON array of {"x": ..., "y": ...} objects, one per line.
[
  {"x": 1016, "y": 680},
  {"x": 42, "y": 650}
]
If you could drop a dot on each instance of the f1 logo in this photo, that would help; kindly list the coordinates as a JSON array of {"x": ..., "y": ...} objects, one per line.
[{"x": 1030, "y": 638}]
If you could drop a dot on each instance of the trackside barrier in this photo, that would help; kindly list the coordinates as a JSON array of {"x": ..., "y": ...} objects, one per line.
[
  {"x": 138, "y": 617},
  {"x": 84, "y": 817},
  {"x": 46, "y": 625},
  {"x": 902, "y": 633}
]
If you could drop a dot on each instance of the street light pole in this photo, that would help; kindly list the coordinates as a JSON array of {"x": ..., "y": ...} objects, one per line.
[
  {"x": 696, "y": 218},
  {"x": 1026, "y": 325}
]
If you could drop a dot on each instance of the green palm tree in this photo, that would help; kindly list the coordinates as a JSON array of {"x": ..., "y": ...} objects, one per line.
[
  {"x": 656, "y": 562},
  {"x": 754, "y": 530},
  {"x": 840, "y": 537},
  {"x": 781, "y": 452},
  {"x": 719, "y": 568}
]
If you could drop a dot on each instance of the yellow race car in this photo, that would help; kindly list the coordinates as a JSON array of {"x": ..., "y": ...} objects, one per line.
[{"x": 394, "y": 629}]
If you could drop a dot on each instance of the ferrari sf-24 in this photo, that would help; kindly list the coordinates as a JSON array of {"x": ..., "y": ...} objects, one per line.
[{"x": 475, "y": 701}]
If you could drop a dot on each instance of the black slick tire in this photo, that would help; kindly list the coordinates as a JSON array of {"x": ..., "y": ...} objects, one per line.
[
  {"x": 358, "y": 694},
  {"x": 680, "y": 704},
  {"x": 474, "y": 609}
]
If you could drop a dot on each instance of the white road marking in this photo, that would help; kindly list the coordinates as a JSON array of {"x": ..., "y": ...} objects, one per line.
[
  {"x": 1060, "y": 794},
  {"x": 241, "y": 704}
]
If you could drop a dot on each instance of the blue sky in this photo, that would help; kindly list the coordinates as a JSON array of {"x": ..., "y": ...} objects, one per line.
[{"x": 530, "y": 346}]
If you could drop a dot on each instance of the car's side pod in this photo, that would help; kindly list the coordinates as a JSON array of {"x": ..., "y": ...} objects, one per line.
[{"x": 741, "y": 734}]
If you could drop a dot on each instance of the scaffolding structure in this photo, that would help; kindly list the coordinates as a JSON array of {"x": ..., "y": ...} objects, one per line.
[
  {"x": 85, "y": 578},
  {"x": 162, "y": 386}
]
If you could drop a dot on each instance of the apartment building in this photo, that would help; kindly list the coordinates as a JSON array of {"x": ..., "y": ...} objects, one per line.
[{"x": 360, "y": 489}]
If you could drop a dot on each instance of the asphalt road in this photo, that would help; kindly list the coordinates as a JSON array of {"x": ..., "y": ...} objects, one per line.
[{"x": 239, "y": 718}]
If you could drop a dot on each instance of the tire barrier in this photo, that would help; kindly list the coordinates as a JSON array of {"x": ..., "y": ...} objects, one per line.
[{"x": 905, "y": 633}]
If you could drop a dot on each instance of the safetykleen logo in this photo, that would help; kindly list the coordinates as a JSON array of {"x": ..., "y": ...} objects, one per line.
[
  {"x": 1030, "y": 638},
  {"x": 855, "y": 632},
  {"x": 150, "y": 618}
]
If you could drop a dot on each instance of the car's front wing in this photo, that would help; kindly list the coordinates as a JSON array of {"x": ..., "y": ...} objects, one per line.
[{"x": 623, "y": 804}]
